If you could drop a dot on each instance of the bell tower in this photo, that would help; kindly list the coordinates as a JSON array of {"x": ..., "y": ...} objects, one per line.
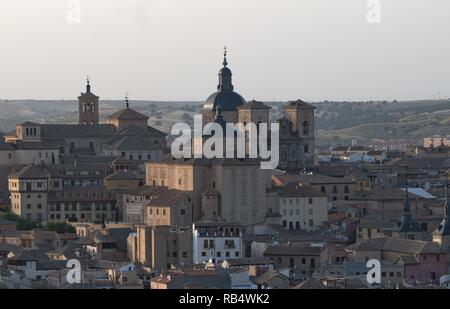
[{"x": 88, "y": 107}]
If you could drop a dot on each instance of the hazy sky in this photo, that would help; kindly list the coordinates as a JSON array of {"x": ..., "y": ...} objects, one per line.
[{"x": 278, "y": 49}]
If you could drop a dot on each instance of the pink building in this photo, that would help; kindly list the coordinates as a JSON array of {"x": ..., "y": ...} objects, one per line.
[{"x": 423, "y": 261}]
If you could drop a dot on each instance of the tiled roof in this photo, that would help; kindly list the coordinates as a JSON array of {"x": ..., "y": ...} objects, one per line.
[
  {"x": 396, "y": 245},
  {"x": 300, "y": 191},
  {"x": 284, "y": 180},
  {"x": 31, "y": 255},
  {"x": 310, "y": 284},
  {"x": 269, "y": 276},
  {"x": 6, "y": 146},
  {"x": 127, "y": 114},
  {"x": 136, "y": 143},
  {"x": 384, "y": 193},
  {"x": 51, "y": 131},
  {"x": 293, "y": 249},
  {"x": 39, "y": 145},
  {"x": 168, "y": 159},
  {"x": 32, "y": 172},
  {"x": 169, "y": 198},
  {"x": 120, "y": 236},
  {"x": 298, "y": 103},
  {"x": 125, "y": 175},
  {"x": 254, "y": 105}
]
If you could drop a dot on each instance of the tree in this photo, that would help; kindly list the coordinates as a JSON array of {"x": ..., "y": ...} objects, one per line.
[
  {"x": 60, "y": 227},
  {"x": 21, "y": 223}
]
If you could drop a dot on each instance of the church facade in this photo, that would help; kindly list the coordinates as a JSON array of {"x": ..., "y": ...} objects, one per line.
[{"x": 297, "y": 126}]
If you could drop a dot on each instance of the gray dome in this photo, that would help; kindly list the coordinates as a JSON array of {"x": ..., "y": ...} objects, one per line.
[{"x": 224, "y": 100}]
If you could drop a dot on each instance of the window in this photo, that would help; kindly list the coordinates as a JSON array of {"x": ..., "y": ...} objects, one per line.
[
  {"x": 184, "y": 254},
  {"x": 182, "y": 212},
  {"x": 311, "y": 222},
  {"x": 205, "y": 244},
  {"x": 322, "y": 189},
  {"x": 236, "y": 254},
  {"x": 310, "y": 200},
  {"x": 203, "y": 253},
  {"x": 229, "y": 243},
  {"x": 227, "y": 253},
  {"x": 218, "y": 254},
  {"x": 305, "y": 128}
]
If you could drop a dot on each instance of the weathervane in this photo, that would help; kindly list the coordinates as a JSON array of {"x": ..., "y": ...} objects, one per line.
[
  {"x": 225, "y": 51},
  {"x": 127, "y": 103},
  {"x": 88, "y": 86}
]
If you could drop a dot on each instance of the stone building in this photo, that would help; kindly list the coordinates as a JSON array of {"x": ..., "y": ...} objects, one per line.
[
  {"x": 297, "y": 137},
  {"x": 296, "y": 126},
  {"x": 43, "y": 193},
  {"x": 242, "y": 185},
  {"x": 125, "y": 133},
  {"x": 158, "y": 247},
  {"x": 88, "y": 107},
  {"x": 302, "y": 207}
]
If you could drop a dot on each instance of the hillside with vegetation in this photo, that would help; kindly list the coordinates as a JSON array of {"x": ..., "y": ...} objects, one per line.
[{"x": 336, "y": 122}]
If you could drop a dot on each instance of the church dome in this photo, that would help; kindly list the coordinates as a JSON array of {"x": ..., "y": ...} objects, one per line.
[{"x": 225, "y": 99}]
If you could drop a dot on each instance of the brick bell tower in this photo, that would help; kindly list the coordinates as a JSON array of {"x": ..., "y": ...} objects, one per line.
[{"x": 88, "y": 107}]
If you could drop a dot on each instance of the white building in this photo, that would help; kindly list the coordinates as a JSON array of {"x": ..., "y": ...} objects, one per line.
[{"x": 216, "y": 241}]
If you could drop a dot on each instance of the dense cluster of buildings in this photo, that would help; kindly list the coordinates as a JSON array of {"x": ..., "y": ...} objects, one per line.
[{"x": 143, "y": 219}]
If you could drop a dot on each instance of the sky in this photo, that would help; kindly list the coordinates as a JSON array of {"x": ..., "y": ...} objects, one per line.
[{"x": 172, "y": 49}]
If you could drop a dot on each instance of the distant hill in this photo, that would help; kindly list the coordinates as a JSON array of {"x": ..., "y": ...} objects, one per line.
[
  {"x": 368, "y": 121},
  {"x": 336, "y": 122}
]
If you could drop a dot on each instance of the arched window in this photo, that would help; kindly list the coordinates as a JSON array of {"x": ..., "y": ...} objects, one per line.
[{"x": 305, "y": 127}]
